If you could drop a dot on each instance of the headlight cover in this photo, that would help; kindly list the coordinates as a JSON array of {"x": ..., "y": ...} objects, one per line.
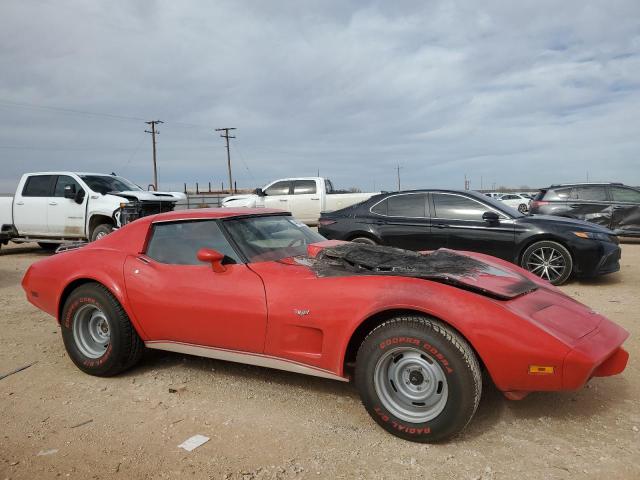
[{"x": 597, "y": 236}]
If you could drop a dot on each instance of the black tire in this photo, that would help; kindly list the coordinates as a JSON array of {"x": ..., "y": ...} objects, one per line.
[
  {"x": 101, "y": 231},
  {"x": 49, "y": 247},
  {"x": 123, "y": 348},
  {"x": 457, "y": 391},
  {"x": 365, "y": 240},
  {"x": 523, "y": 208},
  {"x": 554, "y": 264}
]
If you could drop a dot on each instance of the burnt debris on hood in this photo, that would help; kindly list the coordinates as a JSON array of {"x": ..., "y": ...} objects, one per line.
[{"x": 445, "y": 266}]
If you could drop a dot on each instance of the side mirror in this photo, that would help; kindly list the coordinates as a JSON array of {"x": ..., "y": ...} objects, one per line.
[
  {"x": 79, "y": 198},
  {"x": 214, "y": 257},
  {"x": 260, "y": 192},
  {"x": 490, "y": 216},
  {"x": 70, "y": 191}
]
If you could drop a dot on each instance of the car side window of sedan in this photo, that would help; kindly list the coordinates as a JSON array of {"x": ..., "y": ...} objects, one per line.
[
  {"x": 621, "y": 194},
  {"x": 456, "y": 207},
  {"x": 177, "y": 243},
  {"x": 409, "y": 205}
]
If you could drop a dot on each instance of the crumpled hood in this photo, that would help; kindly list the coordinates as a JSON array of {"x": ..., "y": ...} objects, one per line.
[
  {"x": 443, "y": 265},
  {"x": 238, "y": 200},
  {"x": 151, "y": 195}
]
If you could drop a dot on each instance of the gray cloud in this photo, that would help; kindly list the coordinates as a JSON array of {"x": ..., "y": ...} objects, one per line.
[{"x": 513, "y": 92}]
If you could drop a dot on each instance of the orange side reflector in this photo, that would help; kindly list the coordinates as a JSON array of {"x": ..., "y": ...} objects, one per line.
[{"x": 540, "y": 370}]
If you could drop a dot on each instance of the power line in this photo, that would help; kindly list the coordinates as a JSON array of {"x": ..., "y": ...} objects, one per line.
[
  {"x": 235, "y": 146},
  {"x": 153, "y": 133},
  {"x": 226, "y": 136},
  {"x": 72, "y": 111}
]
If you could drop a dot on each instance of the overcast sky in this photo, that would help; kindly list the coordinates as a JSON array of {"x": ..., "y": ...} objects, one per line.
[{"x": 513, "y": 92}]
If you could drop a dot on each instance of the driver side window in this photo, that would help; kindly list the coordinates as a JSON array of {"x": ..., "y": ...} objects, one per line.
[
  {"x": 278, "y": 188},
  {"x": 63, "y": 181},
  {"x": 177, "y": 243}
]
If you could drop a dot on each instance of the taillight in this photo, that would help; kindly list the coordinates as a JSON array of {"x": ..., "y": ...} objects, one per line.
[{"x": 325, "y": 221}]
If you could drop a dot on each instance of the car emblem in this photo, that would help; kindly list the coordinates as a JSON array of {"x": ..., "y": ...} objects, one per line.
[{"x": 301, "y": 313}]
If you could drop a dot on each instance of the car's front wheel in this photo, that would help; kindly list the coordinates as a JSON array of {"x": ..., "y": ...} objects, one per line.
[
  {"x": 97, "y": 332},
  {"x": 101, "y": 231},
  {"x": 549, "y": 260},
  {"x": 365, "y": 240},
  {"x": 418, "y": 378}
]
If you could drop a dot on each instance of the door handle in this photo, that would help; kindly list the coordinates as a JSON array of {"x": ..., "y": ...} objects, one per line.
[
  {"x": 315, "y": 199},
  {"x": 575, "y": 206},
  {"x": 53, "y": 203},
  {"x": 19, "y": 203},
  {"x": 439, "y": 225},
  {"x": 283, "y": 199}
]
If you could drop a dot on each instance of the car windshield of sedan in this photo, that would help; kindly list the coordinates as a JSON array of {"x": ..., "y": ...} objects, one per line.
[{"x": 271, "y": 237}]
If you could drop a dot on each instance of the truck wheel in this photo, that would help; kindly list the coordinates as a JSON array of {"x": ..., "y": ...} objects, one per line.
[
  {"x": 418, "y": 378},
  {"x": 101, "y": 231},
  {"x": 49, "y": 247},
  {"x": 97, "y": 333},
  {"x": 365, "y": 240},
  {"x": 548, "y": 260}
]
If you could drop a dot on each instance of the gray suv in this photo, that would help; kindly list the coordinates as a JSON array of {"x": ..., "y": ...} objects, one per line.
[{"x": 612, "y": 205}]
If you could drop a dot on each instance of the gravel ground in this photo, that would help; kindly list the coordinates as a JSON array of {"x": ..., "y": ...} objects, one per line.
[{"x": 57, "y": 422}]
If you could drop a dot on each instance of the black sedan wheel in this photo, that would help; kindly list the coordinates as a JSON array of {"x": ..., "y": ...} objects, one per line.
[
  {"x": 365, "y": 240},
  {"x": 549, "y": 260},
  {"x": 418, "y": 378}
]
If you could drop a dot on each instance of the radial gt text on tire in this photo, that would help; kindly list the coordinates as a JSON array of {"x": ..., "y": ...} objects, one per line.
[
  {"x": 365, "y": 240},
  {"x": 97, "y": 333},
  {"x": 549, "y": 260},
  {"x": 418, "y": 378},
  {"x": 101, "y": 231}
]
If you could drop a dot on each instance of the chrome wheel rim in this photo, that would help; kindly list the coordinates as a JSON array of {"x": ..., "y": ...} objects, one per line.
[
  {"x": 522, "y": 208},
  {"x": 411, "y": 385},
  {"x": 91, "y": 331},
  {"x": 101, "y": 235},
  {"x": 547, "y": 262}
]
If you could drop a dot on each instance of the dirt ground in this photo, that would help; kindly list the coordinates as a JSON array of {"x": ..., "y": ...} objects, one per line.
[{"x": 57, "y": 422}]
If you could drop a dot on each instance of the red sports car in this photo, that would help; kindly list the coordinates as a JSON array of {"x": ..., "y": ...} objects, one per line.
[{"x": 414, "y": 330}]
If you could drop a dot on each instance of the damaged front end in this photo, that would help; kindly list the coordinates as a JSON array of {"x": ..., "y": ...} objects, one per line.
[{"x": 444, "y": 266}]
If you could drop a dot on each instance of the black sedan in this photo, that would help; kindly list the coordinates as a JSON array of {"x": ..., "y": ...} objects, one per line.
[{"x": 552, "y": 247}]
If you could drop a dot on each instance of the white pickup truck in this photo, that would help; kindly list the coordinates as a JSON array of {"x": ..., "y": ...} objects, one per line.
[
  {"x": 58, "y": 207},
  {"x": 304, "y": 197}
]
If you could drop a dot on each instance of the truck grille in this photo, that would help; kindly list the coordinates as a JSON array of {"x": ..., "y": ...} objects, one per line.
[{"x": 134, "y": 210}]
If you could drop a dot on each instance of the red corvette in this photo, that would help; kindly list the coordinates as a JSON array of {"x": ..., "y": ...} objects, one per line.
[{"x": 414, "y": 330}]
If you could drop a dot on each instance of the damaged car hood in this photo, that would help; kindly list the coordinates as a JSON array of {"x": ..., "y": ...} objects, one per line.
[{"x": 443, "y": 265}]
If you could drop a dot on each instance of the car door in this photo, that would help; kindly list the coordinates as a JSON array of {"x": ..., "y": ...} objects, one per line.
[
  {"x": 30, "y": 205},
  {"x": 176, "y": 298},
  {"x": 305, "y": 202},
  {"x": 458, "y": 224},
  {"x": 626, "y": 209},
  {"x": 591, "y": 203},
  {"x": 65, "y": 216},
  {"x": 402, "y": 220},
  {"x": 277, "y": 195}
]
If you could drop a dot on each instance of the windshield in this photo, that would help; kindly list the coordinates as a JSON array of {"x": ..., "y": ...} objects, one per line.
[
  {"x": 108, "y": 183},
  {"x": 271, "y": 238},
  {"x": 498, "y": 205}
]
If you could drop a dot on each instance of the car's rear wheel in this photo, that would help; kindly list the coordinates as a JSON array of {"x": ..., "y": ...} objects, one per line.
[
  {"x": 418, "y": 378},
  {"x": 365, "y": 240},
  {"x": 522, "y": 208},
  {"x": 549, "y": 260},
  {"x": 97, "y": 332}
]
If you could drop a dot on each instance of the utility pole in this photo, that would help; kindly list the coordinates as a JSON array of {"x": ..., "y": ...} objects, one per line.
[
  {"x": 227, "y": 137},
  {"x": 398, "y": 174},
  {"x": 153, "y": 133}
]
